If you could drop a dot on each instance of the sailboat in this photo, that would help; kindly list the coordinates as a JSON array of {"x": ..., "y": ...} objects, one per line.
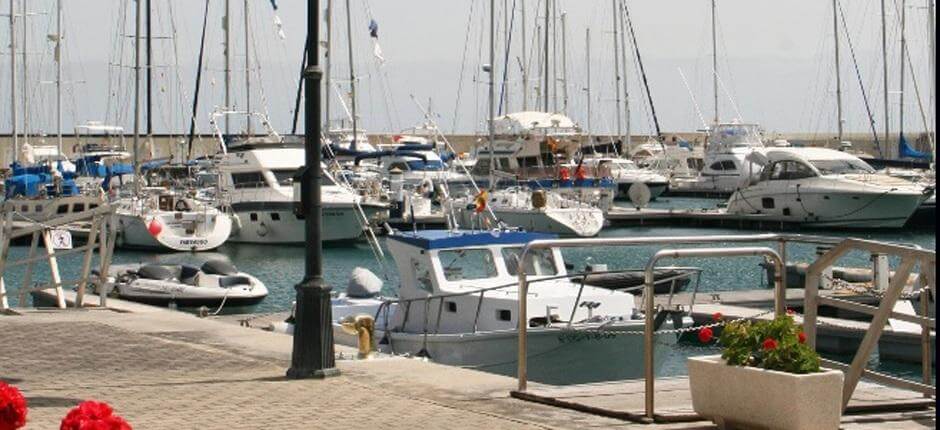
[{"x": 158, "y": 218}]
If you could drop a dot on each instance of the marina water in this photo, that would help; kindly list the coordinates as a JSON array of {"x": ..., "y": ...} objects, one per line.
[{"x": 281, "y": 267}]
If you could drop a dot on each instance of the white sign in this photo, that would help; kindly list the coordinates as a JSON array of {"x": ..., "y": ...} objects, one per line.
[{"x": 61, "y": 239}]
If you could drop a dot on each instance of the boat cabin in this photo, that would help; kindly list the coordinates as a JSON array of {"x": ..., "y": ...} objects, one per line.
[{"x": 458, "y": 264}]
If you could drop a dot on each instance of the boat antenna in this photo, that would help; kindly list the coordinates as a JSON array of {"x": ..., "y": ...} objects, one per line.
[{"x": 202, "y": 50}]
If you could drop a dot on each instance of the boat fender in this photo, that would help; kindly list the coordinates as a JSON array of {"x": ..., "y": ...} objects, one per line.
[
  {"x": 262, "y": 230},
  {"x": 363, "y": 283}
]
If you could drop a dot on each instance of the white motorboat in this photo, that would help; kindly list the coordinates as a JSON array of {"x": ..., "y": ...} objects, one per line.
[
  {"x": 167, "y": 221},
  {"x": 726, "y": 167},
  {"x": 826, "y": 188},
  {"x": 215, "y": 283},
  {"x": 458, "y": 305},
  {"x": 542, "y": 211},
  {"x": 258, "y": 179},
  {"x": 624, "y": 173}
]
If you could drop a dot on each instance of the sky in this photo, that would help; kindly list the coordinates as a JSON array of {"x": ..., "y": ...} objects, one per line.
[{"x": 775, "y": 63}]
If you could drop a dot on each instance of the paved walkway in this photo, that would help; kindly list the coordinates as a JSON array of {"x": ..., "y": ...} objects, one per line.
[{"x": 168, "y": 370}]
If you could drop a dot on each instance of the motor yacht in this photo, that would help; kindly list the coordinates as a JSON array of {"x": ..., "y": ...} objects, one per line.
[
  {"x": 541, "y": 210},
  {"x": 624, "y": 173},
  {"x": 726, "y": 166},
  {"x": 826, "y": 188}
]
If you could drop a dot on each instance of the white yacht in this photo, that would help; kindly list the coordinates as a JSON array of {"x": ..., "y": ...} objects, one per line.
[
  {"x": 726, "y": 167},
  {"x": 259, "y": 182},
  {"x": 624, "y": 173},
  {"x": 826, "y": 188},
  {"x": 458, "y": 304},
  {"x": 532, "y": 210}
]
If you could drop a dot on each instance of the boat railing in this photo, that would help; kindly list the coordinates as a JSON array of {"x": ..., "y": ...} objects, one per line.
[
  {"x": 580, "y": 278},
  {"x": 830, "y": 251}
]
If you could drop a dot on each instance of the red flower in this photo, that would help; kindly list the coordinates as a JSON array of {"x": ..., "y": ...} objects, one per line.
[
  {"x": 717, "y": 316},
  {"x": 770, "y": 344},
  {"x": 790, "y": 311},
  {"x": 801, "y": 337},
  {"x": 91, "y": 415},
  {"x": 705, "y": 335},
  {"x": 12, "y": 407}
]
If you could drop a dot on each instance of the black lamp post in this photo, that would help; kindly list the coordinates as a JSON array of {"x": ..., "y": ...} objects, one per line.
[{"x": 312, "y": 355}]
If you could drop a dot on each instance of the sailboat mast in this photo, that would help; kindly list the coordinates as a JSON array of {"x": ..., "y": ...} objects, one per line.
[
  {"x": 13, "y": 107},
  {"x": 228, "y": 63},
  {"x": 933, "y": 64},
  {"x": 327, "y": 80},
  {"x": 25, "y": 75},
  {"x": 901, "y": 70},
  {"x": 884, "y": 62},
  {"x": 492, "y": 93},
  {"x": 564, "y": 61},
  {"x": 58, "y": 75},
  {"x": 613, "y": 4},
  {"x": 626, "y": 83},
  {"x": 545, "y": 69},
  {"x": 137, "y": 99},
  {"x": 149, "y": 67},
  {"x": 587, "y": 89},
  {"x": 554, "y": 57},
  {"x": 352, "y": 78},
  {"x": 525, "y": 65},
  {"x": 835, "y": 28},
  {"x": 247, "y": 72},
  {"x": 715, "y": 58}
]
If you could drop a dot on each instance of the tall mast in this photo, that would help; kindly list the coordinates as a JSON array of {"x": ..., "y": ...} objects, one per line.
[
  {"x": 247, "y": 73},
  {"x": 504, "y": 93},
  {"x": 613, "y": 4},
  {"x": 58, "y": 75},
  {"x": 329, "y": 60},
  {"x": 901, "y": 71},
  {"x": 715, "y": 58},
  {"x": 835, "y": 28},
  {"x": 228, "y": 63},
  {"x": 137, "y": 99},
  {"x": 564, "y": 61},
  {"x": 884, "y": 62},
  {"x": 545, "y": 71},
  {"x": 525, "y": 65},
  {"x": 626, "y": 83},
  {"x": 352, "y": 78},
  {"x": 492, "y": 94},
  {"x": 587, "y": 89},
  {"x": 25, "y": 76},
  {"x": 933, "y": 64},
  {"x": 13, "y": 107},
  {"x": 149, "y": 67},
  {"x": 554, "y": 57}
]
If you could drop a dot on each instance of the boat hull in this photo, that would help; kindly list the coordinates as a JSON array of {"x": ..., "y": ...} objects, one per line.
[
  {"x": 276, "y": 223},
  {"x": 179, "y": 231},
  {"x": 829, "y": 208}
]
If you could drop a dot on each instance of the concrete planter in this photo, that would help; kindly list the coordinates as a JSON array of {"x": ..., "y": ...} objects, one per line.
[{"x": 752, "y": 397}]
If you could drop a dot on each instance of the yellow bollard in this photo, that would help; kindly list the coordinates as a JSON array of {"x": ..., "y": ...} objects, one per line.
[{"x": 363, "y": 327}]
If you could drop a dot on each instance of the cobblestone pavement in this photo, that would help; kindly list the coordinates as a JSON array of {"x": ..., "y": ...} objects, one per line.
[{"x": 171, "y": 371}]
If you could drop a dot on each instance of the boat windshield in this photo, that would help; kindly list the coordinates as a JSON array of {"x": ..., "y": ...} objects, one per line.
[
  {"x": 539, "y": 262},
  {"x": 736, "y": 135},
  {"x": 467, "y": 264},
  {"x": 432, "y": 165},
  {"x": 845, "y": 166}
]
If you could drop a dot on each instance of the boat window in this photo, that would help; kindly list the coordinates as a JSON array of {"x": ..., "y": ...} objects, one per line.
[
  {"x": 275, "y": 216},
  {"x": 790, "y": 170},
  {"x": 38, "y": 208},
  {"x": 504, "y": 315},
  {"x": 62, "y": 209},
  {"x": 724, "y": 165},
  {"x": 432, "y": 165},
  {"x": 79, "y": 207},
  {"x": 92, "y": 206},
  {"x": 843, "y": 167},
  {"x": 248, "y": 180},
  {"x": 253, "y": 216},
  {"x": 467, "y": 264},
  {"x": 539, "y": 262},
  {"x": 284, "y": 177},
  {"x": 504, "y": 164}
]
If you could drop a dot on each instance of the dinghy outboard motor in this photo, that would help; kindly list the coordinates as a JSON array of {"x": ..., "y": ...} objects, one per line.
[{"x": 363, "y": 284}]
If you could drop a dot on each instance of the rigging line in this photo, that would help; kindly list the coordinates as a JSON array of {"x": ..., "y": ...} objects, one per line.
[
  {"x": 463, "y": 64},
  {"x": 300, "y": 87},
  {"x": 858, "y": 75},
  {"x": 202, "y": 47},
  {"x": 920, "y": 104},
  {"x": 502, "y": 91},
  {"x": 639, "y": 59}
]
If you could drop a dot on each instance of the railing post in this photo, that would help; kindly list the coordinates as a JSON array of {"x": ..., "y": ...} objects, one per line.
[
  {"x": 523, "y": 329},
  {"x": 880, "y": 272},
  {"x": 648, "y": 344}
]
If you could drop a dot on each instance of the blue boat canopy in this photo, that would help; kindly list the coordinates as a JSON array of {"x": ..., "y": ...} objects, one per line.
[{"x": 440, "y": 239}]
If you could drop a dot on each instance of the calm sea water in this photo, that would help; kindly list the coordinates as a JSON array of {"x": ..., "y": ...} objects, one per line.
[{"x": 281, "y": 267}]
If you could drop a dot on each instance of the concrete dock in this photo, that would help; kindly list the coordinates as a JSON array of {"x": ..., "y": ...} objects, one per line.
[{"x": 166, "y": 369}]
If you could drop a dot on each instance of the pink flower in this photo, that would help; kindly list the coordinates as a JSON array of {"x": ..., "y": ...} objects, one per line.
[
  {"x": 12, "y": 407},
  {"x": 705, "y": 335},
  {"x": 770, "y": 344},
  {"x": 790, "y": 311}
]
